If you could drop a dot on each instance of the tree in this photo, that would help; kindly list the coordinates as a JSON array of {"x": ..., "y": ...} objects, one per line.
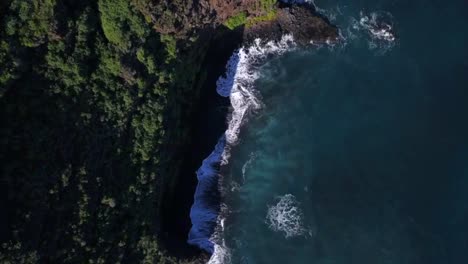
[{"x": 30, "y": 20}]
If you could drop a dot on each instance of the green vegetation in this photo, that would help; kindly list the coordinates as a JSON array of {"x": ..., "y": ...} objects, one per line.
[
  {"x": 32, "y": 21},
  {"x": 171, "y": 47},
  {"x": 92, "y": 118},
  {"x": 236, "y": 20},
  {"x": 271, "y": 15},
  {"x": 267, "y": 5},
  {"x": 119, "y": 23},
  {"x": 262, "y": 11}
]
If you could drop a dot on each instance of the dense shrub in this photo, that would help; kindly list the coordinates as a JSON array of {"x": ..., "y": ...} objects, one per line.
[{"x": 88, "y": 96}]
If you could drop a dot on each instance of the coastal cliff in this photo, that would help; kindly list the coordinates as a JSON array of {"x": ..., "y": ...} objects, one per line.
[
  {"x": 103, "y": 106},
  {"x": 209, "y": 123}
]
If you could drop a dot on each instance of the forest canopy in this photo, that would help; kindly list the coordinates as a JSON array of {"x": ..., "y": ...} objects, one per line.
[{"x": 88, "y": 104}]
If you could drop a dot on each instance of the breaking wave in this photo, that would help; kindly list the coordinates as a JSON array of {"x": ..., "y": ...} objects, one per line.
[
  {"x": 379, "y": 28},
  {"x": 286, "y": 216},
  {"x": 242, "y": 72},
  {"x": 207, "y": 213}
]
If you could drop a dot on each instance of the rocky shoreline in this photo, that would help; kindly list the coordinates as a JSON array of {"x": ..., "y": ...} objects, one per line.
[
  {"x": 207, "y": 124},
  {"x": 300, "y": 20}
]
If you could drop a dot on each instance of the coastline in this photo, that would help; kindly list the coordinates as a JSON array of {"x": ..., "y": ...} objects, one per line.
[
  {"x": 208, "y": 122},
  {"x": 211, "y": 111},
  {"x": 301, "y": 20},
  {"x": 233, "y": 131},
  {"x": 258, "y": 42}
]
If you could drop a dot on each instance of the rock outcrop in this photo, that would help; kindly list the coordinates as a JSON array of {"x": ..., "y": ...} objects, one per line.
[
  {"x": 299, "y": 20},
  {"x": 184, "y": 17}
]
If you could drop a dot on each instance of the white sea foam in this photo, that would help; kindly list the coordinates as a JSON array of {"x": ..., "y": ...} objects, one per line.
[
  {"x": 246, "y": 165},
  {"x": 378, "y": 25},
  {"x": 220, "y": 256},
  {"x": 287, "y": 217},
  {"x": 238, "y": 84},
  {"x": 379, "y": 28}
]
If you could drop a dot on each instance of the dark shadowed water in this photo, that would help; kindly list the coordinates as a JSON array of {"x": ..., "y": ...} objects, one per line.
[{"x": 360, "y": 152}]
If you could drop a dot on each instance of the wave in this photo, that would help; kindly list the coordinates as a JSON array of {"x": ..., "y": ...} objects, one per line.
[
  {"x": 287, "y": 217},
  {"x": 207, "y": 213},
  {"x": 247, "y": 164},
  {"x": 378, "y": 27},
  {"x": 242, "y": 70},
  {"x": 238, "y": 84}
]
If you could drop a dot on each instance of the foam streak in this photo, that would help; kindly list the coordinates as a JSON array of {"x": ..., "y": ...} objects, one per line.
[{"x": 238, "y": 84}]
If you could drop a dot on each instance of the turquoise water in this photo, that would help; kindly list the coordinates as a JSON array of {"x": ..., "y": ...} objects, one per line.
[{"x": 359, "y": 153}]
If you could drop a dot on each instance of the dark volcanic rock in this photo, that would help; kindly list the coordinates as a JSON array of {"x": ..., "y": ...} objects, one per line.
[
  {"x": 300, "y": 21},
  {"x": 188, "y": 16}
]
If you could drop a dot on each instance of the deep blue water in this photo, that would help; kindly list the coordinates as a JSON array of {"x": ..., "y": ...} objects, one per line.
[{"x": 360, "y": 152}]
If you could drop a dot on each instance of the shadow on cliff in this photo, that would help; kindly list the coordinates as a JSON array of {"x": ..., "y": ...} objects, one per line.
[{"x": 208, "y": 124}]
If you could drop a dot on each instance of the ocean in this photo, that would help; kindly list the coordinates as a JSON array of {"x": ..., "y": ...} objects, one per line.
[{"x": 352, "y": 152}]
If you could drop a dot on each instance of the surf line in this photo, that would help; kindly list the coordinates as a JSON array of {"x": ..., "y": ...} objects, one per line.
[{"x": 207, "y": 212}]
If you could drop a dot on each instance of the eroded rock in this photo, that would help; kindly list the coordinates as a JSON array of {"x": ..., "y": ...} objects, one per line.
[{"x": 299, "y": 20}]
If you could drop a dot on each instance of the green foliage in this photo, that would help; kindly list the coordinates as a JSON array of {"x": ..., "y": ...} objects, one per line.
[
  {"x": 8, "y": 69},
  {"x": 93, "y": 110},
  {"x": 263, "y": 10},
  {"x": 236, "y": 20},
  {"x": 148, "y": 128},
  {"x": 13, "y": 253},
  {"x": 70, "y": 66},
  {"x": 30, "y": 20},
  {"x": 147, "y": 59},
  {"x": 120, "y": 22},
  {"x": 110, "y": 61},
  {"x": 143, "y": 6},
  {"x": 268, "y": 5},
  {"x": 171, "y": 47}
]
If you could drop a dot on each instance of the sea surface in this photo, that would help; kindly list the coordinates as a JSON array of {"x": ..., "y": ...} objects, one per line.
[{"x": 355, "y": 152}]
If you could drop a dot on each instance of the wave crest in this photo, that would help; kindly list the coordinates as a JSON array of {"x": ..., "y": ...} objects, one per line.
[
  {"x": 379, "y": 28},
  {"x": 207, "y": 213},
  {"x": 286, "y": 216},
  {"x": 379, "y": 25},
  {"x": 238, "y": 83}
]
